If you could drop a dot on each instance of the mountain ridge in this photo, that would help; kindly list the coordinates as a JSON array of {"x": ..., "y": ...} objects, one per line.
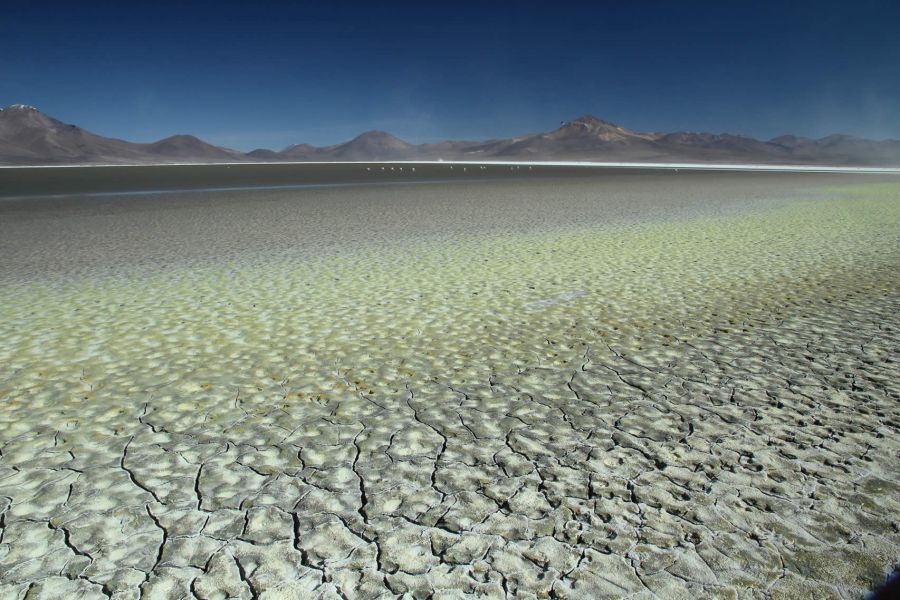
[{"x": 30, "y": 137}]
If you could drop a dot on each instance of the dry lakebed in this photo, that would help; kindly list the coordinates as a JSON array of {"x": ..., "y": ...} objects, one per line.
[{"x": 436, "y": 384}]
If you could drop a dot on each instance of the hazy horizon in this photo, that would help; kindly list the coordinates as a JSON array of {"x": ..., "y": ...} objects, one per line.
[{"x": 322, "y": 75}]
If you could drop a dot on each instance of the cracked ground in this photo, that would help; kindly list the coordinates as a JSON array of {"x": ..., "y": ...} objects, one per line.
[{"x": 644, "y": 387}]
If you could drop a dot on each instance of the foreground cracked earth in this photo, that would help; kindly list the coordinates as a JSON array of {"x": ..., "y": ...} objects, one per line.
[{"x": 749, "y": 453}]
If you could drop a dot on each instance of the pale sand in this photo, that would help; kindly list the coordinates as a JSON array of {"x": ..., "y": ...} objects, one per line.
[{"x": 646, "y": 387}]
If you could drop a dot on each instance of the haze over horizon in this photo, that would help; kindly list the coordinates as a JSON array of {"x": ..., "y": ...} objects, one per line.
[{"x": 247, "y": 77}]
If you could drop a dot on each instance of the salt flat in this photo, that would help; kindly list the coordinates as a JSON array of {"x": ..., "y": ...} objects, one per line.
[{"x": 635, "y": 385}]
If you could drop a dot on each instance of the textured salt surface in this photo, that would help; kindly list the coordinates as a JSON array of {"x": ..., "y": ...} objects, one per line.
[
  {"x": 557, "y": 299},
  {"x": 216, "y": 398}
]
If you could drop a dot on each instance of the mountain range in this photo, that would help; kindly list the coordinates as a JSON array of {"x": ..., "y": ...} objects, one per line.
[{"x": 30, "y": 137}]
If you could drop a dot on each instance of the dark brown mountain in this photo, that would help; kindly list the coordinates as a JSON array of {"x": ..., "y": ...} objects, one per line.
[
  {"x": 189, "y": 148},
  {"x": 711, "y": 146},
  {"x": 297, "y": 152},
  {"x": 28, "y": 136},
  {"x": 587, "y": 137},
  {"x": 263, "y": 154},
  {"x": 371, "y": 145}
]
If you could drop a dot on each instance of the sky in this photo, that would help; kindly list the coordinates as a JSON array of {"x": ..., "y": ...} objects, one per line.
[{"x": 265, "y": 74}]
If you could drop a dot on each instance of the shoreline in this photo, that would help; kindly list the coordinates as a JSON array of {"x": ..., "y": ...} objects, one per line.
[
  {"x": 789, "y": 168},
  {"x": 69, "y": 180}
]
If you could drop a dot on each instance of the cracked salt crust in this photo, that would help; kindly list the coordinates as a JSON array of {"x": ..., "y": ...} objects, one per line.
[
  {"x": 557, "y": 299},
  {"x": 715, "y": 414}
]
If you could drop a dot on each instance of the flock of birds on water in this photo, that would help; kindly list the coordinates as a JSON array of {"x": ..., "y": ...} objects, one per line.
[{"x": 413, "y": 169}]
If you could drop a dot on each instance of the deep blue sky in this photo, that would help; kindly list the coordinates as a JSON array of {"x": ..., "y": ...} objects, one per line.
[{"x": 254, "y": 74}]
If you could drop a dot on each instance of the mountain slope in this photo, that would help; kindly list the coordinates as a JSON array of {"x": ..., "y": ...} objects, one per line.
[
  {"x": 190, "y": 148},
  {"x": 29, "y": 137},
  {"x": 371, "y": 145}
]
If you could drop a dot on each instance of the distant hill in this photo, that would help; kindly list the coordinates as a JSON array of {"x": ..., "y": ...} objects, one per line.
[
  {"x": 372, "y": 145},
  {"x": 29, "y": 137},
  {"x": 190, "y": 148}
]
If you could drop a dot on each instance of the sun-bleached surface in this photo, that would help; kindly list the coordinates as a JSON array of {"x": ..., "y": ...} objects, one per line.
[{"x": 673, "y": 388}]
